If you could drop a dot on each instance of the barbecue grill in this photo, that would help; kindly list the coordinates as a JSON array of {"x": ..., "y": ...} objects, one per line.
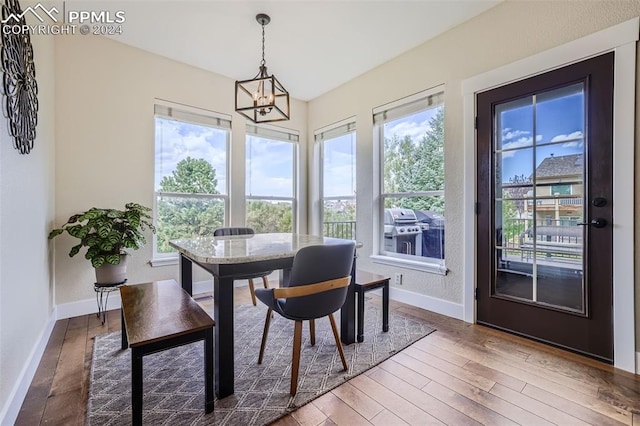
[{"x": 402, "y": 233}]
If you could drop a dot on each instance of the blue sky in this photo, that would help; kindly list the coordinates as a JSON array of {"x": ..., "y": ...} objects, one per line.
[{"x": 559, "y": 128}]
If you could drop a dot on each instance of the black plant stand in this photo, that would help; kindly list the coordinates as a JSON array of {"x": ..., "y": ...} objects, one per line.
[{"x": 102, "y": 296}]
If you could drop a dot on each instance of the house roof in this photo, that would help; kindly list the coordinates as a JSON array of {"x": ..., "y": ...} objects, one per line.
[{"x": 564, "y": 165}]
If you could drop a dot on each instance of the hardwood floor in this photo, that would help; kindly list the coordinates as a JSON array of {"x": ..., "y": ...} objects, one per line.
[{"x": 462, "y": 374}]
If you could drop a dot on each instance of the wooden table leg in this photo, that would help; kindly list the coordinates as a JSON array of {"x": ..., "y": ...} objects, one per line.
[
  {"x": 136, "y": 386},
  {"x": 223, "y": 316}
]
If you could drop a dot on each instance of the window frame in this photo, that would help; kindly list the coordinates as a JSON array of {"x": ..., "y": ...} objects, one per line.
[
  {"x": 201, "y": 117},
  {"x": 333, "y": 131},
  {"x": 400, "y": 108},
  {"x": 278, "y": 134}
]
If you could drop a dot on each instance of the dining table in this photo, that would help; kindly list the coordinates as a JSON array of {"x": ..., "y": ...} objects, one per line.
[{"x": 233, "y": 257}]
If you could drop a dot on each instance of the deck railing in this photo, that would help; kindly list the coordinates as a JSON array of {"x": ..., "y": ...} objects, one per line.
[{"x": 342, "y": 229}]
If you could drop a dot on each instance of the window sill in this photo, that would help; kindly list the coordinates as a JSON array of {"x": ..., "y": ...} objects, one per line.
[
  {"x": 432, "y": 268},
  {"x": 163, "y": 261}
]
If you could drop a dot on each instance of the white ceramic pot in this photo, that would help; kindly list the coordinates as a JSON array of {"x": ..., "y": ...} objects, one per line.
[{"x": 109, "y": 274}]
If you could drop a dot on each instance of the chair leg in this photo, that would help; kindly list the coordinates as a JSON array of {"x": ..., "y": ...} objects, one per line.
[
  {"x": 264, "y": 335},
  {"x": 338, "y": 344},
  {"x": 253, "y": 291},
  {"x": 265, "y": 281},
  {"x": 312, "y": 332},
  {"x": 295, "y": 365}
]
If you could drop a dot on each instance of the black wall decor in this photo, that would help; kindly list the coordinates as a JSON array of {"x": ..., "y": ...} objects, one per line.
[{"x": 20, "y": 88}]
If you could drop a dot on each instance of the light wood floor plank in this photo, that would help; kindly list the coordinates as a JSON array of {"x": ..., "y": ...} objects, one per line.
[
  {"x": 453, "y": 370},
  {"x": 576, "y": 410},
  {"x": 448, "y": 356},
  {"x": 406, "y": 374},
  {"x": 393, "y": 402},
  {"x": 519, "y": 369},
  {"x": 337, "y": 411},
  {"x": 496, "y": 376},
  {"x": 359, "y": 401},
  {"x": 542, "y": 380},
  {"x": 309, "y": 415},
  {"x": 530, "y": 404},
  {"x": 441, "y": 411},
  {"x": 466, "y": 405},
  {"x": 387, "y": 418},
  {"x": 36, "y": 398},
  {"x": 287, "y": 420},
  {"x": 492, "y": 402},
  {"x": 66, "y": 404}
]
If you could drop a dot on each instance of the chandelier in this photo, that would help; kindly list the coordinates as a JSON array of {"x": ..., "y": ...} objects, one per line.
[{"x": 262, "y": 99}]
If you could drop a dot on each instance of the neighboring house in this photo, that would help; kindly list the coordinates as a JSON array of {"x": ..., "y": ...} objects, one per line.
[{"x": 562, "y": 178}]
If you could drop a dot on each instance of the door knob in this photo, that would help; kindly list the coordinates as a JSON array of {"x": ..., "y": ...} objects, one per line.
[{"x": 598, "y": 222}]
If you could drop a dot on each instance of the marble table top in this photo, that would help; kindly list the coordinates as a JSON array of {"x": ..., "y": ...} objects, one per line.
[{"x": 247, "y": 248}]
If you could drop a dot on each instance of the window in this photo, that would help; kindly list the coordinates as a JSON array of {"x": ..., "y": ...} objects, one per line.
[
  {"x": 561, "y": 189},
  {"x": 410, "y": 225},
  {"x": 338, "y": 179},
  {"x": 271, "y": 164},
  {"x": 191, "y": 174}
]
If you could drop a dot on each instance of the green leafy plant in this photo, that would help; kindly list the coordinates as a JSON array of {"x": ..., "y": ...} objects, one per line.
[{"x": 107, "y": 232}]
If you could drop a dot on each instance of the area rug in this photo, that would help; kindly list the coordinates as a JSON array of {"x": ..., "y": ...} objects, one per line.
[{"x": 174, "y": 383}]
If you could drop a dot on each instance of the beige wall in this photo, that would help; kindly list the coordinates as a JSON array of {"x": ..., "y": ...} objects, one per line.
[
  {"x": 105, "y": 141},
  {"x": 26, "y": 214},
  {"x": 510, "y": 31}
]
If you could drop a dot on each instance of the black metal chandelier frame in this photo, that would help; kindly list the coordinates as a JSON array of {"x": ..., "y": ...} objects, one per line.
[{"x": 263, "y": 98}]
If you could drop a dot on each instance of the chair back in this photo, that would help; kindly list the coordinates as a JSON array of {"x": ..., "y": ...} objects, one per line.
[
  {"x": 315, "y": 264},
  {"x": 221, "y": 232}
]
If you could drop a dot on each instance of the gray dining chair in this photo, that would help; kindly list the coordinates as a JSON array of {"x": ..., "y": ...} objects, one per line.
[
  {"x": 317, "y": 288},
  {"x": 250, "y": 277}
]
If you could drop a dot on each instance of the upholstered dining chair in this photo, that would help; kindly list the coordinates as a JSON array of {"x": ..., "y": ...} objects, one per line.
[
  {"x": 317, "y": 288},
  {"x": 250, "y": 277}
]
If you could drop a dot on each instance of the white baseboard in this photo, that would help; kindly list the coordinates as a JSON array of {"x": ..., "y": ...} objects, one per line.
[
  {"x": 637, "y": 362},
  {"x": 10, "y": 411},
  {"x": 90, "y": 306},
  {"x": 444, "y": 307}
]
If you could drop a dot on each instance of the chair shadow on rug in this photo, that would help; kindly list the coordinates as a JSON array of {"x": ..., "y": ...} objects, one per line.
[{"x": 318, "y": 284}]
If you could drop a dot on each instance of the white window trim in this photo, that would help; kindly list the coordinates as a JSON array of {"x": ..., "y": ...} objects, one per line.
[
  {"x": 161, "y": 106},
  {"x": 424, "y": 264},
  {"x": 621, "y": 39}
]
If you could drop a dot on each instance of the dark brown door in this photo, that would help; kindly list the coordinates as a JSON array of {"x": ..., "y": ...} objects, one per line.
[{"x": 544, "y": 161}]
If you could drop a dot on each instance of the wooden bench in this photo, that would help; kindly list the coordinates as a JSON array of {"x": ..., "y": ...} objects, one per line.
[
  {"x": 157, "y": 316},
  {"x": 366, "y": 281}
]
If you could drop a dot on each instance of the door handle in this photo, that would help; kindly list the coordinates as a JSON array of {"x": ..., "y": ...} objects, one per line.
[{"x": 598, "y": 222}]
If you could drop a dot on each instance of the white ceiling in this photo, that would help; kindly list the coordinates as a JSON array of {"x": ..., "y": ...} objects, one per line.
[{"x": 311, "y": 46}]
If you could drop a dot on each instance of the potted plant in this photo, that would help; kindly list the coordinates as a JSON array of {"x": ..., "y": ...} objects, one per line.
[{"x": 107, "y": 233}]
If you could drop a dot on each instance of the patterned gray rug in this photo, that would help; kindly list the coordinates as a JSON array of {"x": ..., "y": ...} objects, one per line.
[{"x": 174, "y": 383}]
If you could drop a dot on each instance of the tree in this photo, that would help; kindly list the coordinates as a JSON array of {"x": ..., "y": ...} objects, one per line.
[
  {"x": 192, "y": 175},
  {"x": 414, "y": 166},
  {"x": 181, "y": 217},
  {"x": 513, "y": 206},
  {"x": 264, "y": 216}
]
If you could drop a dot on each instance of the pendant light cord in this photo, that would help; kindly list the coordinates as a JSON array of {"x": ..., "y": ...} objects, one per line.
[{"x": 263, "y": 61}]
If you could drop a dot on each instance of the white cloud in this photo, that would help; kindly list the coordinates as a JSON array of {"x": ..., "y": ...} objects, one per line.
[
  {"x": 507, "y": 133},
  {"x": 412, "y": 129},
  {"x": 570, "y": 137}
]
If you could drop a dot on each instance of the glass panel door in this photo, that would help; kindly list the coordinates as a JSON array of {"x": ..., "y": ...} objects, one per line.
[{"x": 539, "y": 154}]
